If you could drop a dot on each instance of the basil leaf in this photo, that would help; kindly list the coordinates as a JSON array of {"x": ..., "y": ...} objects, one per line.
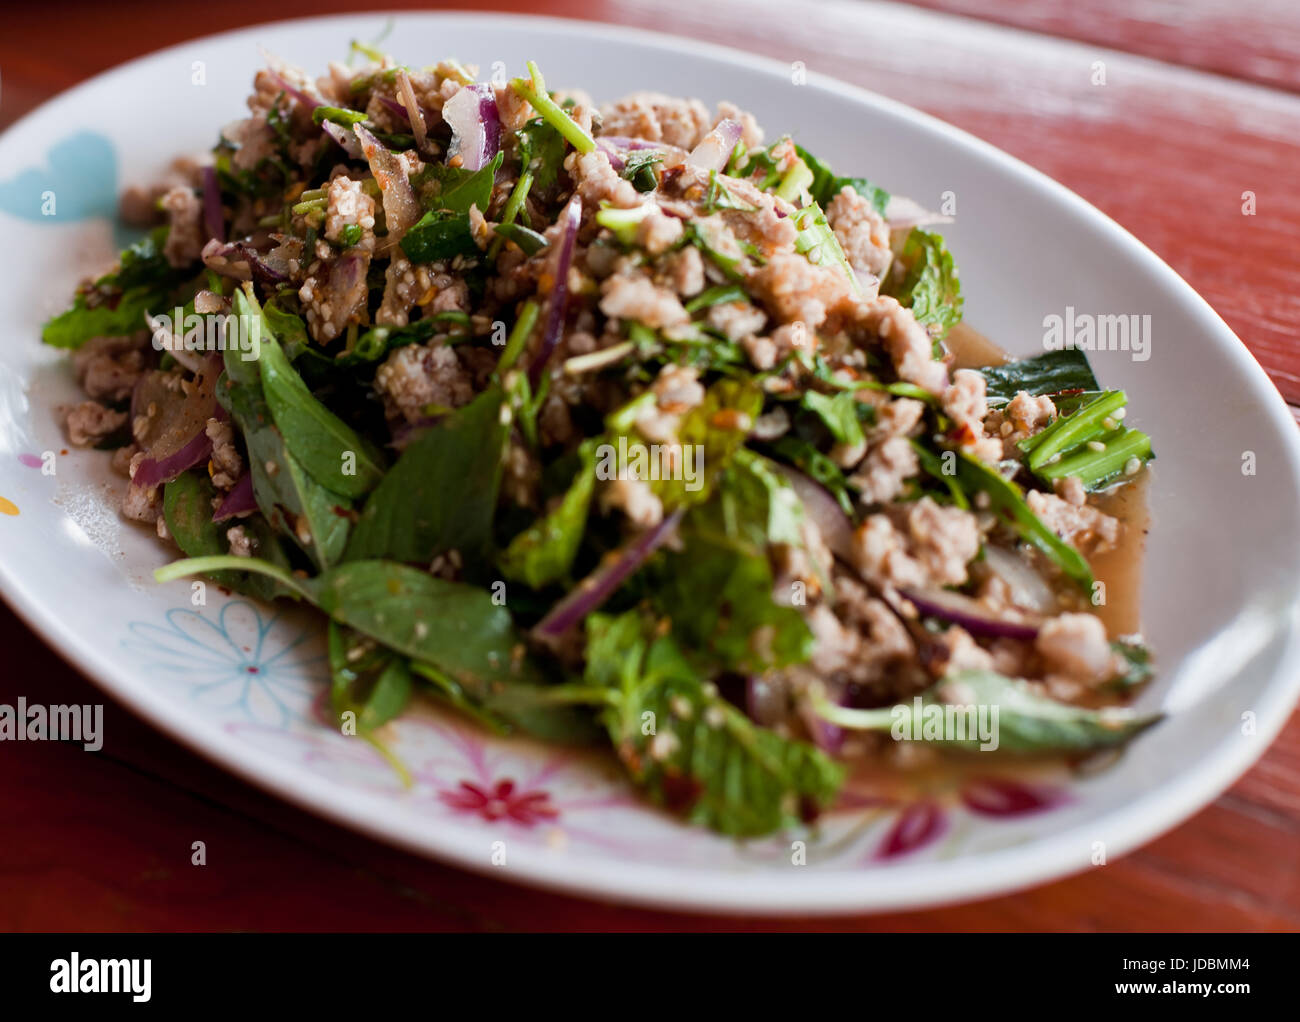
[
  {"x": 1027, "y": 722},
  {"x": 544, "y": 552},
  {"x": 826, "y": 184},
  {"x": 439, "y": 235},
  {"x": 370, "y": 681},
  {"x": 441, "y": 494},
  {"x": 293, "y": 502}
]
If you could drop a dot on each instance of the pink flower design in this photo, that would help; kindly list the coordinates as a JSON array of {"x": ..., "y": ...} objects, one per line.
[
  {"x": 527, "y": 807},
  {"x": 922, "y": 819}
]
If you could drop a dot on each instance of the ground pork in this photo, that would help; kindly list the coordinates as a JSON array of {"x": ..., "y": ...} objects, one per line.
[
  {"x": 791, "y": 288},
  {"x": 629, "y": 297},
  {"x": 334, "y": 295},
  {"x": 404, "y": 285},
  {"x": 350, "y": 206},
  {"x": 90, "y": 422},
  {"x": 227, "y": 465},
  {"x": 964, "y": 401},
  {"x": 657, "y": 118},
  {"x": 909, "y": 346},
  {"x": 1084, "y": 527},
  {"x": 1076, "y": 646},
  {"x": 882, "y": 473},
  {"x": 683, "y": 271},
  {"x": 185, "y": 237},
  {"x": 108, "y": 367},
  {"x": 932, "y": 548},
  {"x": 861, "y": 231},
  {"x": 141, "y": 504},
  {"x": 736, "y": 320},
  {"x": 241, "y": 543},
  {"x": 415, "y": 377},
  {"x": 658, "y": 232},
  {"x": 597, "y": 181}
]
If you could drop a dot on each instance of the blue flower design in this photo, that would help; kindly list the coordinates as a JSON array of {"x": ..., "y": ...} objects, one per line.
[{"x": 267, "y": 669}]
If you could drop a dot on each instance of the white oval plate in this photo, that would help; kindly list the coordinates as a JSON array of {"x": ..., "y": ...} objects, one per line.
[{"x": 241, "y": 682}]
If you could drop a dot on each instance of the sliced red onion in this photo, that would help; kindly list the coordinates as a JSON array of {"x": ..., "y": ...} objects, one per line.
[
  {"x": 225, "y": 260},
  {"x": 431, "y": 117},
  {"x": 613, "y": 152},
  {"x": 238, "y": 501},
  {"x": 969, "y": 614},
  {"x": 175, "y": 437},
  {"x": 413, "y": 112},
  {"x": 715, "y": 149},
  {"x": 309, "y": 103},
  {"x": 826, "y": 736},
  {"x": 212, "y": 216},
  {"x": 344, "y": 138},
  {"x": 600, "y": 585},
  {"x": 901, "y": 212},
  {"x": 475, "y": 125},
  {"x": 571, "y": 217},
  {"x": 156, "y": 471},
  {"x": 625, "y": 142},
  {"x": 401, "y": 207},
  {"x": 823, "y": 511},
  {"x": 1028, "y": 588}
]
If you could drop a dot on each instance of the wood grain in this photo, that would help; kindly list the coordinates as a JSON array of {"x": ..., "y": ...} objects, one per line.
[{"x": 103, "y": 841}]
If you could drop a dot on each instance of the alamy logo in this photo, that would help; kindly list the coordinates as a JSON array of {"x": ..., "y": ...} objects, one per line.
[
  {"x": 176, "y": 331},
  {"x": 1088, "y": 332},
  {"x": 652, "y": 462},
  {"x": 37, "y": 723},
  {"x": 947, "y": 722},
  {"x": 131, "y": 976}
]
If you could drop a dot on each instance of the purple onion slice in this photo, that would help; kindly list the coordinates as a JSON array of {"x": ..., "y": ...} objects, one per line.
[
  {"x": 715, "y": 148},
  {"x": 601, "y": 584},
  {"x": 475, "y": 126},
  {"x": 213, "y": 220},
  {"x": 969, "y": 614},
  {"x": 238, "y": 501},
  {"x": 571, "y": 217}
]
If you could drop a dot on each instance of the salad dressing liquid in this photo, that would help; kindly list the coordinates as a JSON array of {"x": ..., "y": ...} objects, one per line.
[{"x": 1121, "y": 568}]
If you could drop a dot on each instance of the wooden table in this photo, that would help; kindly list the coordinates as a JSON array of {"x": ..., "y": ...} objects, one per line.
[{"x": 1207, "y": 111}]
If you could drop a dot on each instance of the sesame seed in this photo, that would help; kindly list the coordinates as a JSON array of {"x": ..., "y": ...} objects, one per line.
[
  {"x": 1108, "y": 422},
  {"x": 1131, "y": 466},
  {"x": 1096, "y": 445},
  {"x": 1121, "y": 413}
]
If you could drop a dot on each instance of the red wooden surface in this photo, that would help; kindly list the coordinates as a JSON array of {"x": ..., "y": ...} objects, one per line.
[{"x": 1166, "y": 148}]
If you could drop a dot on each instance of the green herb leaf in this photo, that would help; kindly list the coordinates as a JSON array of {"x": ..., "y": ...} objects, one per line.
[
  {"x": 527, "y": 239},
  {"x": 544, "y": 552},
  {"x": 331, "y": 451},
  {"x": 839, "y": 414},
  {"x": 441, "y": 494},
  {"x": 929, "y": 286},
  {"x": 1027, "y": 723},
  {"x": 826, "y": 184},
  {"x": 691, "y": 751},
  {"x": 1053, "y": 372}
]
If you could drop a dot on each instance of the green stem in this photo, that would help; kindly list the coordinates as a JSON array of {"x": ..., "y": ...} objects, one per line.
[
  {"x": 519, "y": 335},
  {"x": 513, "y": 205},
  {"x": 228, "y": 562},
  {"x": 1069, "y": 431},
  {"x": 550, "y": 111}
]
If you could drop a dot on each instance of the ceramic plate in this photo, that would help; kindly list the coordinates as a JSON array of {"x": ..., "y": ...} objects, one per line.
[{"x": 243, "y": 683}]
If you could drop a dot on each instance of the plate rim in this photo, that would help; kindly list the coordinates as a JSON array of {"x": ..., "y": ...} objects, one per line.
[{"x": 735, "y": 891}]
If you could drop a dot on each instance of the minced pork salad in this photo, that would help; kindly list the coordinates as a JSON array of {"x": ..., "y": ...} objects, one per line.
[{"x": 614, "y": 424}]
